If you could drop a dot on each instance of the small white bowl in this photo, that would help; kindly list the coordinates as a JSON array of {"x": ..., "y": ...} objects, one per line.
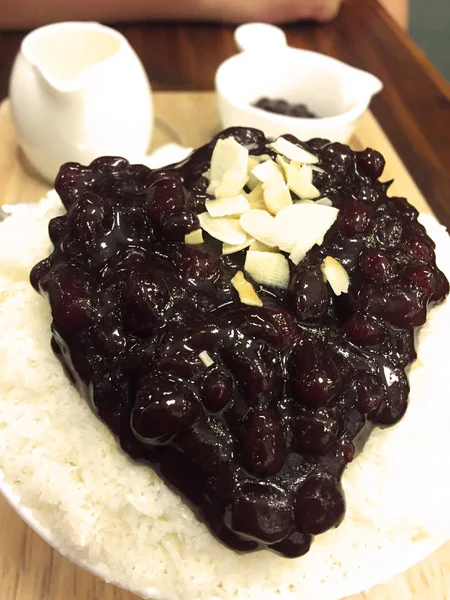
[{"x": 267, "y": 67}]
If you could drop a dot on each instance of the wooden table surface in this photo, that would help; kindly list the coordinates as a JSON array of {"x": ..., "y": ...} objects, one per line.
[{"x": 413, "y": 109}]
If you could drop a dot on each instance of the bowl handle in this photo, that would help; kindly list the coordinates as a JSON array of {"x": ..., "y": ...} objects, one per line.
[{"x": 259, "y": 36}]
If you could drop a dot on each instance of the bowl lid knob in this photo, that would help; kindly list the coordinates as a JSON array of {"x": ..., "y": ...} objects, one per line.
[{"x": 259, "y": 36}]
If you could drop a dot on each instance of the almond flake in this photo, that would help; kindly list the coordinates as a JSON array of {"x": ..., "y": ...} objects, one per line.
[
  {"x": 228, "y": 155},
  {"x": 194, "y": 238},
  {"x": 206, "y": 359},
  {"x": 253, "y": 161},
  {"x": 231, "y": 185},
  {"x": 284, "y": 164},
  {"x": 211, "y": 189},
  {"x": 256, "y": 198},
  {"x": 223, "y": 207},
  {"x": 300, "y": 182},
  {"x": 260, "y": 225},
  {"x": 276, "y": 194},
  {"x": 293, "y": 152},
  {"x": 268, "y": 268},
  {"x": 244, "y": 288},
  {"x": 266, "y": 170},
  {"x": 300, "y": 226},
  {"x": 336, "y": 275},
  {"x": 299, "y": 251},
  {"x": 260, "y": 247},
  {"x": 325, "y": 201},
  {"x": 225, "y": 229},
  {"x": 232, "y": 248}
]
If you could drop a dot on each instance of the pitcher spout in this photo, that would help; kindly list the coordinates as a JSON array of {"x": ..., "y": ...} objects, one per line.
[
  {"x": 374, "y": 85},
  {"x": 368, "y": 83},
  {"x": 63, "y": 54},
  {"x": 54, "y": 84}
]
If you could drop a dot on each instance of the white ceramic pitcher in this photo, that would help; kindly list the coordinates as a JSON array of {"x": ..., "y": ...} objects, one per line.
[{"x": 79, "y": 91}]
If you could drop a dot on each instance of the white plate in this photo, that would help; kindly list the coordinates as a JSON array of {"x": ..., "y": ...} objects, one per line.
[{"x": 418, "y": 551}]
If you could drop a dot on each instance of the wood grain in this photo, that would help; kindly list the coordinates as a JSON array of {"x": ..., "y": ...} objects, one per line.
[{"x": 29, "y": 568}]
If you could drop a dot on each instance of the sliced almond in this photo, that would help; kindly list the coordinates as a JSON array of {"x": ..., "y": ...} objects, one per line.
[
  {"x": 325, "y": 201},
  {"x": 299, "y": 178},
  {"x": 309, "y": 239},
  {"x": 284, "y": 164},
  {"x": 231, "y": 184},
  {"x": 244, "y": 288},
  {"x": 232, "y": 248},
  {"x": 253, "y": 161},
  {"x": 260, "y": 225},
  {"x": 301, "y": 226},
  {"x": 301, "y": 249},
  {"x": 260, "y": 247},
  {"x": 266, "y": 170},
  {"x": 300, "y": 182},
  {"x": 194, "y": 238},
  {"x": 268, "y": 268},
  {"x": 276, "y": 194},
  {"x": 228, "y": 155},
  {"x": 223, "y": 207},
  {"x": 293, "y": 152},
  {"x": 211, "y": 189},
  {"x": 336, "y": 275},
  {"x": 256, "y": 198},
  {"x": 206, "y": 359},
  {"x": 225, "y": 229}
]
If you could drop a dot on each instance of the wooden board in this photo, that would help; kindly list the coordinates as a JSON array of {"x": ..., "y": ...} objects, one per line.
[{"x": 29, "y": 568}]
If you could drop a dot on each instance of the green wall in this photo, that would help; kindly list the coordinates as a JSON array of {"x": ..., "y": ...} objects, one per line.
[{"x": 430, "y": 29}]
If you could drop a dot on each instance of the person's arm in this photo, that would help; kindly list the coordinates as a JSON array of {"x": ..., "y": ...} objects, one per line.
[
  {"x": 398, "y": 9},
  {"x": 21, "y": 14}
]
